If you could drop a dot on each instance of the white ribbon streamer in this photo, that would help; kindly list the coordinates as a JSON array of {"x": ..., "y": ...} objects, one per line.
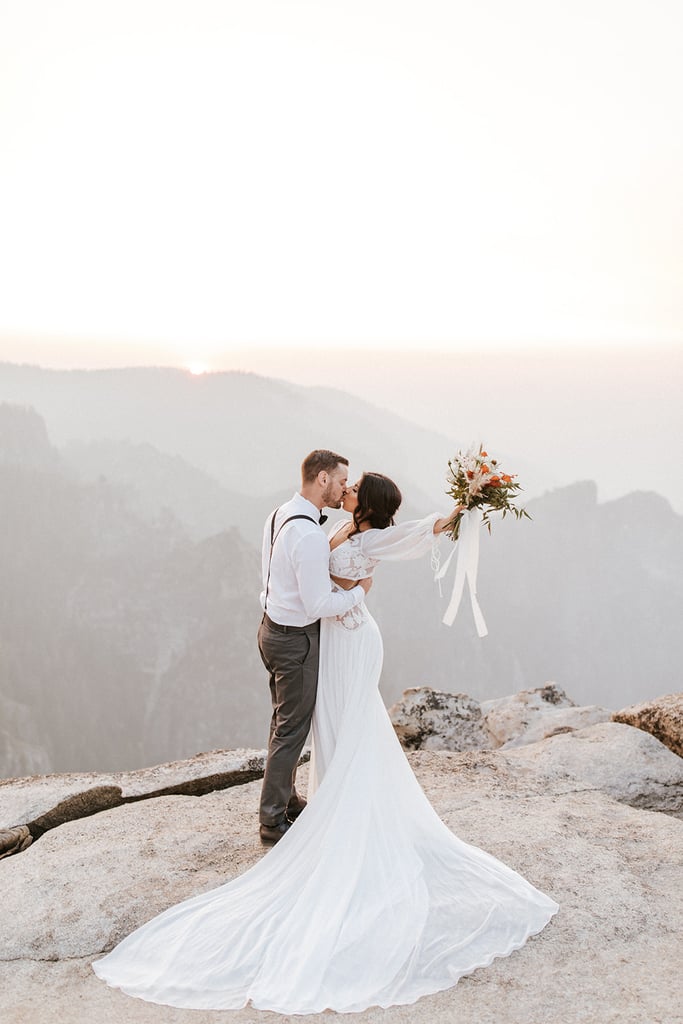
[{"x": 465, "y": 569}]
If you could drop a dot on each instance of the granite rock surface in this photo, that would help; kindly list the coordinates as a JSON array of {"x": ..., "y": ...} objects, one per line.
[{"x": 578, "y": 814}]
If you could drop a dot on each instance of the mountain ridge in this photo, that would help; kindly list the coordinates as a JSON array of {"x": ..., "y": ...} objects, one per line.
[{"x": 190, "y": 415}]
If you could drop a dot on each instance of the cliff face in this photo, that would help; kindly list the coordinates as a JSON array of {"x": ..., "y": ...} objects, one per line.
[
  {"x": 113, "y": 625},
  {"x": 579, "y": 814},
  {"x": 24, "y": 440}
]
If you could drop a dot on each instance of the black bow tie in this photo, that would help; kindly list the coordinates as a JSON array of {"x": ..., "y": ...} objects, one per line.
[{"x": 323, "y": 519}]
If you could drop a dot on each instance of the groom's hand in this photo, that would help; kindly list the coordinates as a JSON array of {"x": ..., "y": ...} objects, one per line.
[{"x": 366, "y": 583}]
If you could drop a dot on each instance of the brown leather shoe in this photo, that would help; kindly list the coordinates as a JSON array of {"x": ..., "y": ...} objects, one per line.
[
  {"x": 273, "y": 833},
  {"x": 295, "y": 807}
]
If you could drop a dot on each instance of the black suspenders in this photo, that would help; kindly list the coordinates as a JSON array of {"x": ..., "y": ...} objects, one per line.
[{"x": 274, "y": 536}]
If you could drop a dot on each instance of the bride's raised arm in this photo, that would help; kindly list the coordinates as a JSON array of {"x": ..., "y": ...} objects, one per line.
[{"x": 407, "y": 540}]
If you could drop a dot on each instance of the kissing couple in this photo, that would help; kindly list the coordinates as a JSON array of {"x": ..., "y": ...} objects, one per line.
[{"x": 365, "y": 897}]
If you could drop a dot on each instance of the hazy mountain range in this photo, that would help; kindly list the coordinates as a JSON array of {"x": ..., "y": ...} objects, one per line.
[
  {"x": 130, "y": 573},
  {"x": 248, "y": 432}
]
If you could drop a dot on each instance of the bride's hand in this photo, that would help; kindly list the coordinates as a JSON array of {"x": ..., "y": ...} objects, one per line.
[{"x": 443, "y": 524}]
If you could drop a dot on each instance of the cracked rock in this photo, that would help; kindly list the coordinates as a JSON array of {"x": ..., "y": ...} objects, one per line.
[
  {"x": 46, "y": 801},
  {"x": 80, "y": 805}
]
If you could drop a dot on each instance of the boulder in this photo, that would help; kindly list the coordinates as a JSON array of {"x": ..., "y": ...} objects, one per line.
[
  {"x": 429, "y": 719},
  {"x": 629, "y": 765},
  {"x": 663, "y": 717},
  {"x": 532, "y": 715}
]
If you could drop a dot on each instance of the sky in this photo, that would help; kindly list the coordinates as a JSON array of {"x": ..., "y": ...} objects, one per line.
[{"x": 181, "y": 181}]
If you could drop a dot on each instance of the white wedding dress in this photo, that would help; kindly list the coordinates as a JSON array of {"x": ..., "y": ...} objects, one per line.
[{"x": 369, "y": 899}]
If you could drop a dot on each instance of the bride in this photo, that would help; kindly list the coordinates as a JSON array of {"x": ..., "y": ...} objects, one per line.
[{"x": 369, "y": 899}]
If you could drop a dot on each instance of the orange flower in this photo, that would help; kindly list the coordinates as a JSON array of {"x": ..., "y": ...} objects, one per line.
[
  {"x": 495, "y": 480},
  {"x": 484, "y": 455},
  {"x": 507, "y": 479},
  {"x": 484, "y": 468},
  {"x": 470, "y": 474}
]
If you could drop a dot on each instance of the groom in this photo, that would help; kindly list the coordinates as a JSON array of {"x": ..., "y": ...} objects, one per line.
[{"x": 297, "y": 593}]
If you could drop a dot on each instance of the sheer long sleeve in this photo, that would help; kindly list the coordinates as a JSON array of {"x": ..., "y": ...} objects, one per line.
[{"x": 402, "y": 542}]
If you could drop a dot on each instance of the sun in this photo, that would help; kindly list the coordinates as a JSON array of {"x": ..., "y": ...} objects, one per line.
[{"x": 197, "y": 369}]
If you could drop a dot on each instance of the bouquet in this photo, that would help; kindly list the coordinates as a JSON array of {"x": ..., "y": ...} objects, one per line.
[
  {"x": 479, "y": 487},
  {"x": 476, "y": 481}
]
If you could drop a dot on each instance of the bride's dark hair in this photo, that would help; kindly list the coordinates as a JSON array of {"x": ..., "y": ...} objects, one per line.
[{"x": 378, "y": 501}]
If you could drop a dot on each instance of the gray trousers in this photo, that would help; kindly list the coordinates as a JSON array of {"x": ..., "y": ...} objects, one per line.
[{"x": 291, "y": 659}]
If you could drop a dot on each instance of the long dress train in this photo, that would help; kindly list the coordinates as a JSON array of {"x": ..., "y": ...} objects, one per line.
[{"x": 369, "y": 899}]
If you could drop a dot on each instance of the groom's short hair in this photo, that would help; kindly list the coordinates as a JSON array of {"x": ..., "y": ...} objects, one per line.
[{"x": 319, "y": 460}]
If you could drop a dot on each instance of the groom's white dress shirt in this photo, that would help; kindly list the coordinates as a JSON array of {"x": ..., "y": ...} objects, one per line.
[{"x": 300, "y": 590}]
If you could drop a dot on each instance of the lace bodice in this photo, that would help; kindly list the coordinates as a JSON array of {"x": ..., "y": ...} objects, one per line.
[
  {"x": 358, "y": 556},
  {"x": 348, "y": 561}
]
